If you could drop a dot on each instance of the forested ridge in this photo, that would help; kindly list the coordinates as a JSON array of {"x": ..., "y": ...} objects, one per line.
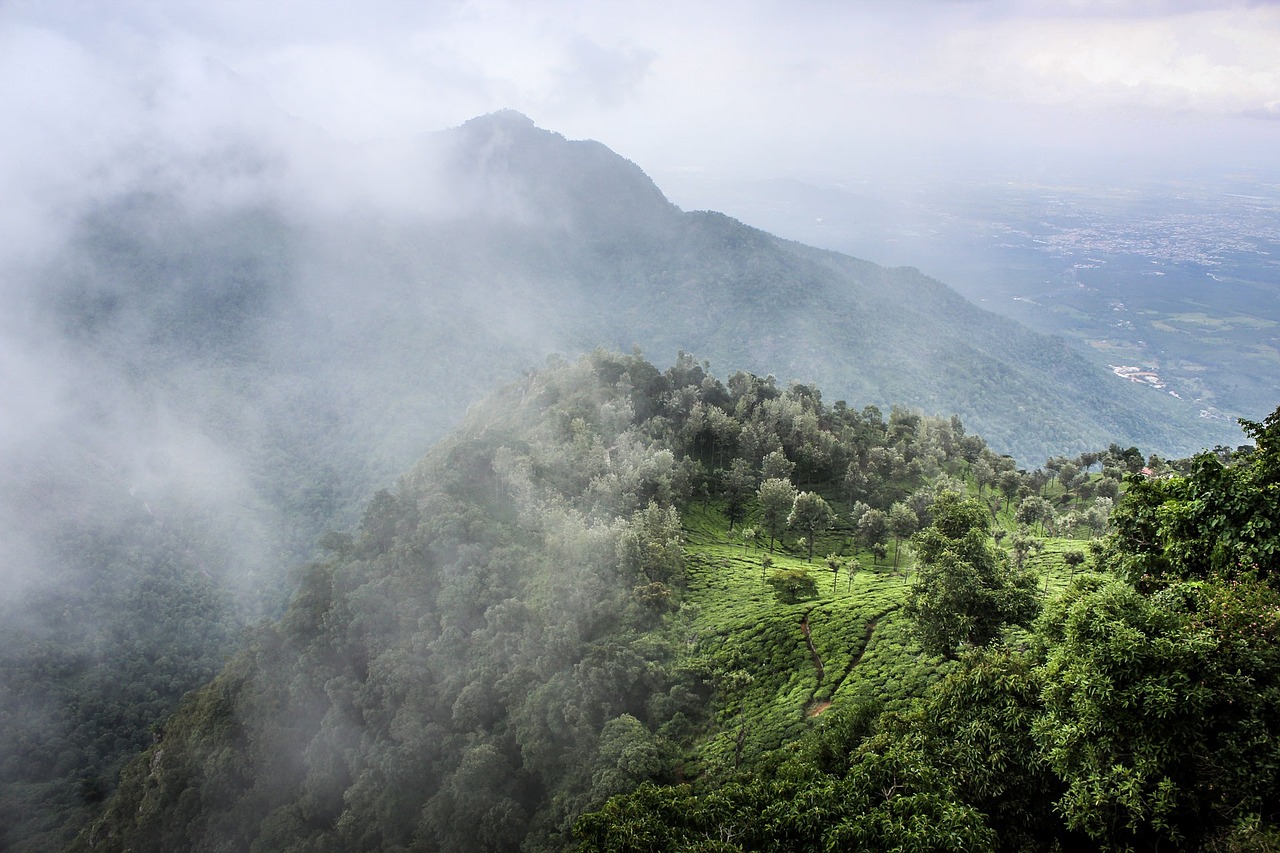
[
  {"x": 217, "y": 380},
  {"x": 630, "y": 609}
]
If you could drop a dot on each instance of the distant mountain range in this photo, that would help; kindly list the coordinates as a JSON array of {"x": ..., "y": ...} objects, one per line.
[
  {"x": 1177, "y": 277},
  {"x": 211, "y": 378},
  {"x": 550, "y": 245},
  {"x": 309, "y": 352}
]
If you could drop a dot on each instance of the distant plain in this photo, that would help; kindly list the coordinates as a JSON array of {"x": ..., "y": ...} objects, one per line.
[{"x": 1178, "y": 280}]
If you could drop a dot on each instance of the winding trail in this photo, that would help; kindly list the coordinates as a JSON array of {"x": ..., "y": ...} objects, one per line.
[
  {"x": 813, "y": 652},
  {"x": 816, "y": 707},
  {"x": 866, "y": 641}
]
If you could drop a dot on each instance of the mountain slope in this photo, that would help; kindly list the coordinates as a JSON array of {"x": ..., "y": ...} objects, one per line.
[
  {"x": 554, "y": 615},
  {"x": 501, "y": 645},
  {"x": 232, "y": 372},
  {"x": 708, "y": 284}
]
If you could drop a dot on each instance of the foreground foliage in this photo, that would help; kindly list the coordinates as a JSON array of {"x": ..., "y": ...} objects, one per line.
[
  {"x": 562, "y": 629},
  {"x": 965, "y": 591},
  {"x": 1143, "y": 711},
  {"x": 509, "y": 638}
]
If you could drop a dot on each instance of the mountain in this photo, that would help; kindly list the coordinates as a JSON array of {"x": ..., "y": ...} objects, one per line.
[
  {"x": 215, "y": 364},
  {"x": 647, "y": 274},
  {"x": 557, "y": 633},
  {"x": 525, "y": 243},
  {"x": 500, "y": 645}
]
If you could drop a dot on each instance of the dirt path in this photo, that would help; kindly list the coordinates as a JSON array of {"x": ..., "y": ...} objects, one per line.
[
  {"x": 866, "y": 641},
  {"x": 813, "y": 652},
  {"x": 815, "y": 706}
]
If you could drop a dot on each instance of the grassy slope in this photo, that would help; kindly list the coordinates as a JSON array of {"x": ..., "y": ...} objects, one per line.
[{"x": 770, "y": 689}]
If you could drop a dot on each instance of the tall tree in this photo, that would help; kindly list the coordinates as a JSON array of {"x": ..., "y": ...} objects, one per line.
[
  {"x": 776, "y": 466},
  {"x": 983, "y": 474},
  {"x": 873, "y": 527},
  {"x": 903, "y": 522},
  {"x": 810, "y": 514},
  {"x": 855, "y": 482},
  {"x": 1009, "y": 482},
  {"x": 964, "y": 590},
  {"x": 737, "y": 486},
  {"x": 1034, "y": 510},
  {"x": 776, "y": 497},
  {"x": 834, "y": 564}
]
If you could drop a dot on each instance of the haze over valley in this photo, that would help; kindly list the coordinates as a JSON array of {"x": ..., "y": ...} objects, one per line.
[
  {"x": 1175, "y": 279},
  {"x": 478, "y": 426}
]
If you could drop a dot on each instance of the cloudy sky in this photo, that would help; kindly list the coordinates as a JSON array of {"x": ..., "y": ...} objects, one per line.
[{"x": 754, "y": 88}]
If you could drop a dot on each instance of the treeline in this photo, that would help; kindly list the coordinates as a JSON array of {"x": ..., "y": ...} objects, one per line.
[
  {"x": 1139, "y": 713},
  {"x": 499, "y": 657},
  {"x": 499, "y": 647},
  {"x": 125, "y": 621}
]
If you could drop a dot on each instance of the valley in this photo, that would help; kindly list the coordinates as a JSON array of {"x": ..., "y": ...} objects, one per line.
[
  {"x": 1179, "y": 278},
  {"x": 503, "y": 633}
]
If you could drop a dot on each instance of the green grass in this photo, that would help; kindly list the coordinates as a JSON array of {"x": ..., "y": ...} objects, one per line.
[
  {"x": 768, "y": 685},
  {"x": 1226, "y": 324},
  {"x": 1050, "y": 567}
]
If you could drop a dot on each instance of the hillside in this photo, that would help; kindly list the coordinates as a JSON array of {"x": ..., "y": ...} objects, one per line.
[
  {"x": 554, "y": 631},
  {"x": 505, "y": 641},
  {"x": 215, "y": 366}
]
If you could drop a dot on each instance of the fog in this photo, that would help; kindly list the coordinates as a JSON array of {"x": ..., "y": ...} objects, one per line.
[
  {"x": 273, "y": 134},
  {"x": 211, "y": 210},
  {"x": 760, "y": 88}
]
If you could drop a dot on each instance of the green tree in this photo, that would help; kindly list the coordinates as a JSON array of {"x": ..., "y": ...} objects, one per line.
[
  {"x": 964, "y": 590},
  {"x": 628, "y": 754},
  {"x": 793, "y": 584},
  {"x": 775, "y": 497},
  {"x": 1074, "y": 560},
  {"x": 1021, "y": 545},
  {"x": 651, "y": 545},
  {"x": 811, "y": 515},
  {"x": 1216, "y": 521},
  {"x": 903, "y": 523},
  {"x": 983, "y": 474},
  {"x": 1160, "y": 711},
  {"x": 1108, "y": 488},
  {"x": 977, "y": 722},
  {"x": 1034, "y": 509},
  {"x": 873, "y": 527},
  {"x": 776, "y": 466},
  {"x": 834, "y": 564},
  {"x": 1008, "y": 482},
  {"x": 854, "y": 783},
  {"x": 737, "y": 485},
  {"x": 854, "y": 482}
]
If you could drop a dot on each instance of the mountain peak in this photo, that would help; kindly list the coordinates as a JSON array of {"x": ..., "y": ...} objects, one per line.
[
  {"x": 506, "y": 117},
  {"x": 581, "y": 182}
]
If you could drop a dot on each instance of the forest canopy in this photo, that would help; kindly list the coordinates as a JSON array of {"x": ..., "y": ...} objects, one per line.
[{"x": 559, "y": 632}]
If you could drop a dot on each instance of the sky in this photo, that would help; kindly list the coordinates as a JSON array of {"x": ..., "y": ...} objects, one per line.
[{"x": 751, "y": 88}]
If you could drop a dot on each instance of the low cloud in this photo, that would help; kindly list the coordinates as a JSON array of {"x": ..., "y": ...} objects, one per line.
[{"x": 757, "y": 87}]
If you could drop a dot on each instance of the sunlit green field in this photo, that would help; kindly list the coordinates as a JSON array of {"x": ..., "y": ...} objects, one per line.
[{"x": 771, "y": 681}]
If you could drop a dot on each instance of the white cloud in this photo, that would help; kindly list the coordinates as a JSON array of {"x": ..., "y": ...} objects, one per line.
[
  {"x": 759, "y": 86},
  {"x": 1212, "y": 62}
]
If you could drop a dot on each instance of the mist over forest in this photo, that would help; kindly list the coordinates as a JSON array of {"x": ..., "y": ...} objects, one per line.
[
  {"x": 265, "y": 341},
  {"x": 444, "y": 466}
]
